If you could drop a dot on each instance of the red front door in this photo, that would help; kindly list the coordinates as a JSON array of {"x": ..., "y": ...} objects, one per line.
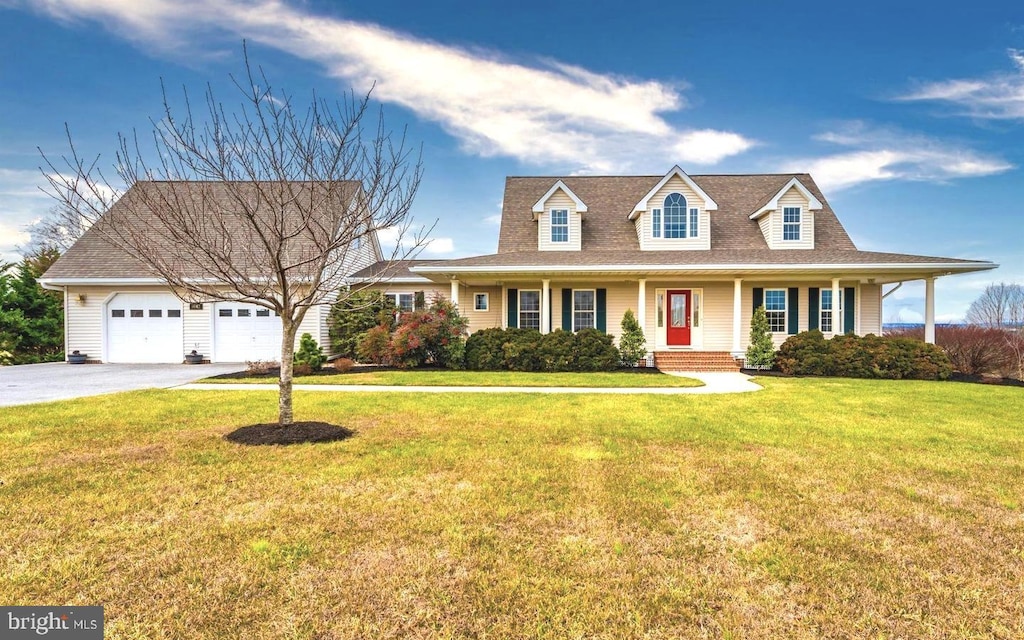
[{"x": 678, "y": 318}]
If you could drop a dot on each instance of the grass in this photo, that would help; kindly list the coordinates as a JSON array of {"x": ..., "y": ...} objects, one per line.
[
  {"x": 813, "y": 509},
  {"x": 441, "y": 378}
]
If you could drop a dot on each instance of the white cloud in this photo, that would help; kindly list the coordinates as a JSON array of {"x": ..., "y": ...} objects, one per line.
[
  {"x": 547, "y": 113},
  {"x": 21, "y": 204},
  {"x": 997, "y": 96},
  {"x": 439, "y": 246},
  {"x": 493, "y": 220},
  {"x": 880, "y": 153}
]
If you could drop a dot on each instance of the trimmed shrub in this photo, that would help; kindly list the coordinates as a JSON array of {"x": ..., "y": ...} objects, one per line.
[
  {"x": 310, "y": 353},
  {"x": 354, "y": 315},
  {"x": 973, "y": 350},
  {"x": 522, "y": 350},
  {"x": 485, "y": 350},
  {"x": 434, "y": 336},
  {"x": 594, "y": 351},
  {"x": 556, "y": 351},
  {"x": 805, "y": 354},
  {"x": 870, "y": 356},
  {"x": 373, "y": 345},
  {"x": 528, "y": 350},
  {"x": 343, "y": 365},
  {"x": 632, "y": 344}
]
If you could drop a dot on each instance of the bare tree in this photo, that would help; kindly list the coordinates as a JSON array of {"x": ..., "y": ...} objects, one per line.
[
  {"x": 57, "y": 230},
  {"x": 1000, "y": 305},
  {"x": 267, "y": 204}
]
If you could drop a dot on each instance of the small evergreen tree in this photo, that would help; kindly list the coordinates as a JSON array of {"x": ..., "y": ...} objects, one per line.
[
  {"x": 761, "y": 350},
  {"x": 31, "y": 319},
  {"x": 632, "y": 344},
  {"x": 309, "y": 353},
  {"x": 353, "y": 316}
]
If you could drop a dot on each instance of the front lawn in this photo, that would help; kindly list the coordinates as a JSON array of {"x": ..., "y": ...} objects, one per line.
[
  {"x": 813, "y": 509},
  {"x": 446, "y": 378}
]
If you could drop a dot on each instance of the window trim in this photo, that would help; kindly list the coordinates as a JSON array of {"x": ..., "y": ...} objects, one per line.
[
  {"x": 486, "y": 299},
  {"x": 592, "y": 312},
  {"x": 822, "y": 311},
  {"x": 520, "y": 311},
  {"x": 798, "y": 224},
  {"x": 396, "y": 295},
  {"x": 690, "y": 220},
  {"x": 784, "y": 311},
  {"x": 551, "y": 213}
]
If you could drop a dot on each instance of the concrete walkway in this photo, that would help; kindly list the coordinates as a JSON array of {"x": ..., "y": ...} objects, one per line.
[{"x": 713, "y": 383}]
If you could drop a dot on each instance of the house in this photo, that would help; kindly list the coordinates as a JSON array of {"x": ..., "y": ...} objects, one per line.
[
  {"x": 119, "y": 310},
  {"x": 692, "y": 256}
]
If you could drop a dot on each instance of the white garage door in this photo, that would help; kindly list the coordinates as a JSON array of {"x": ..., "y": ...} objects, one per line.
[
  {"x": 144, "y": 327},
  {"x": 245, "y": 332}
]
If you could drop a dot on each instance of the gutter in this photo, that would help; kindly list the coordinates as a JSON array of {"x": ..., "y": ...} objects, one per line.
[{"x": 945, "y": 268}]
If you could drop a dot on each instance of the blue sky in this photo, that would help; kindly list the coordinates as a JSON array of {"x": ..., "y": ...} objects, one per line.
[{"x": 910, "y": 119}]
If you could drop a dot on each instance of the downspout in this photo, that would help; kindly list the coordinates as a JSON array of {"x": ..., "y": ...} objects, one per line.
[{"x": 893, "y": 290}]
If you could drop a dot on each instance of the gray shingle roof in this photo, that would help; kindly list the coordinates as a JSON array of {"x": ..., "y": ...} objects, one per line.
[
  {"x": 610, "y": 199},
  {"x": 93, "y": 256}
]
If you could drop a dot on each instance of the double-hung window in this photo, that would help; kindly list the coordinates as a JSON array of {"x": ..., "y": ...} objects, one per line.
[
  {"x": 791, "y": 223},
  {"x": 404, "y": 302},
  {"x": 584, "y": 309},
  {"x": 529, "y": 309},
  {"x": 480, "y": 302},
  {"x": 825, "y": 321},
  {"x": 559, "y": 225},
  {"x": 775, "y": 309}
]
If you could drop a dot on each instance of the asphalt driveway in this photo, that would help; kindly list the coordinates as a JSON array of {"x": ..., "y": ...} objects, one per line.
[{"x": 28, "y": 383}]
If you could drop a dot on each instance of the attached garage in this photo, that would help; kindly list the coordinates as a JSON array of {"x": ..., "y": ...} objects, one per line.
[
  {"x": 144, "y": 327},
  {"x": 245, "y": 332}
]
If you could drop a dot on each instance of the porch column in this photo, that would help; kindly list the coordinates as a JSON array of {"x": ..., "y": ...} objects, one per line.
[
  {"x": 545, "y": 306},
  {"x": 455, "y": 293},
  {"x": 737, "y": 314},
  {"x": 641, "y": 306},
  {"x": 929, "y": 310},
  {"x": 504, "y": 307},
  {"x": 837, "y": 317}
]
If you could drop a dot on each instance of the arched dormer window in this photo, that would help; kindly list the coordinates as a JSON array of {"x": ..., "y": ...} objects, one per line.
[{"x": 675, "y": 216}]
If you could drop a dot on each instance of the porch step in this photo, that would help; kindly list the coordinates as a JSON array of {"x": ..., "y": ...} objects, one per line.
[{"x": 695, "y": 361}]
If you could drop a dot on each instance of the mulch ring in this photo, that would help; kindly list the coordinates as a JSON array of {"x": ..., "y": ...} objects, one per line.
[{"x": 295, "y": 433}]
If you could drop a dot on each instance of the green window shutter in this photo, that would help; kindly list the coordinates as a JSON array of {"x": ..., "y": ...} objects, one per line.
[
  {"x": 848, "y": 310},
  {"x": 794, "y": 310},
  {"x": 602, "y": 310},
  {"x": 813, "y": 299},
  {"x": 758, "y": 298},
  {"x": 513, "y": 308},
  {"x": 567, "y": 309}
]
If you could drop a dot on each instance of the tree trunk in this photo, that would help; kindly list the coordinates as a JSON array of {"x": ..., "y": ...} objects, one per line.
[{"x": 284, "y": 402}]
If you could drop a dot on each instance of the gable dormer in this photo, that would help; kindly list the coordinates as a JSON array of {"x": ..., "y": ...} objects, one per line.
[
  {"x": 787, "y": 219},
  {"x": 674, "y": 215},
  {"x": 559, "y": 216}
]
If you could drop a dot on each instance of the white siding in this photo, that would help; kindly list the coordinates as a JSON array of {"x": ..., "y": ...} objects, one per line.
[
  {"x": 771, "y": 223},
  {"x": 649, "y": 243},
  {"x": 198, "y": 329},
  {"x": 870, "y": 309},
  {"x": 480, "y": 319},
  {"x": 559, "y": 200}
]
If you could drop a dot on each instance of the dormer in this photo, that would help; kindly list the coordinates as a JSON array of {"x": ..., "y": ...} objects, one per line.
[
  {"x": 559, "y": 216},
  {"x": 674, "y": 215},
  {"x": 787, "y": 220}
]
